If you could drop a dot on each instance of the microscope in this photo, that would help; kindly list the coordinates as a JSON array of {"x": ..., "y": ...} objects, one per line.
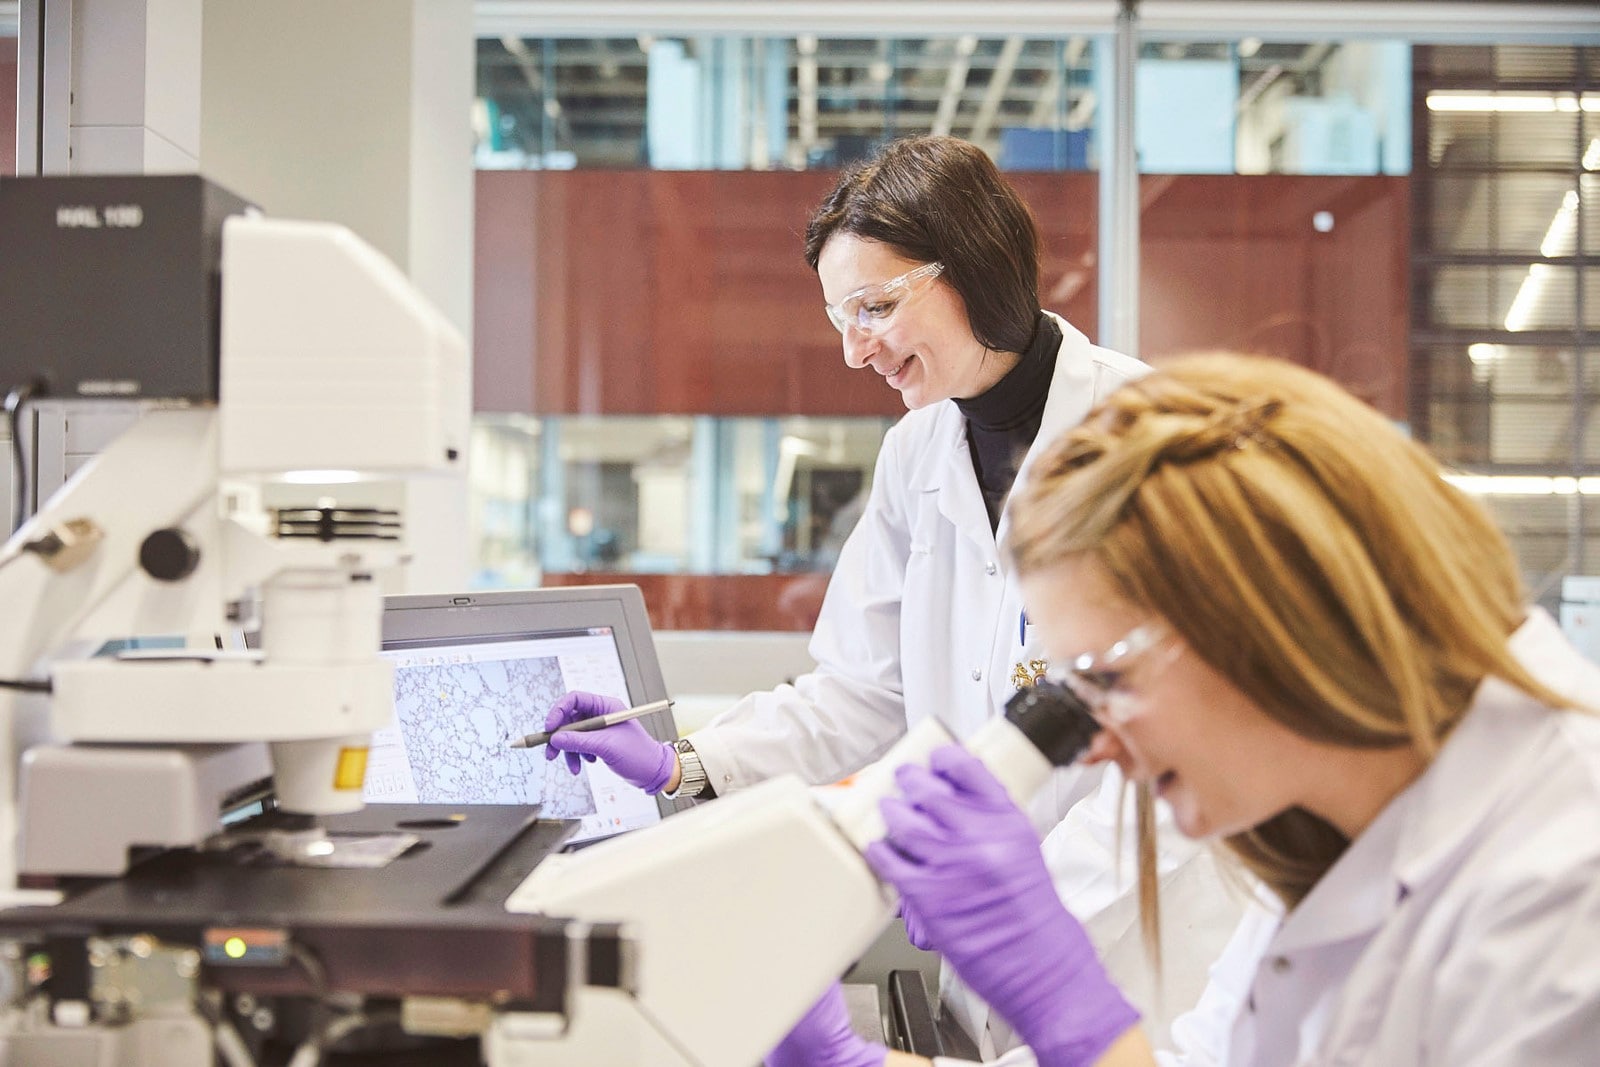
[
  {"x": 187, "y": 875},
  {"x": 184, "y": 857},
  {"x": 266, "y": 354},
  {"x": 745, "y": 908}
]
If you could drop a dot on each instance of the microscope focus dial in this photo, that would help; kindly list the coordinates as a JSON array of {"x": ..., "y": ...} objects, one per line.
[{"x": 169, "y": 555}]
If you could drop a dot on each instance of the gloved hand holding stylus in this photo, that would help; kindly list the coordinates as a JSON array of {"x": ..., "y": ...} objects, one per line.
[
  {"x": 626, "y": 748},
  {"x": 968, "y": 865}
]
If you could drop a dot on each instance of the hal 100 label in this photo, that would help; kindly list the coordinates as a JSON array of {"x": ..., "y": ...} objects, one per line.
[{"x": 89, "y": 217}]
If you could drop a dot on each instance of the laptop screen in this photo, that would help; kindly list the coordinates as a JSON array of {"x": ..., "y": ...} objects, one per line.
[{"x": 474, "y": 671}]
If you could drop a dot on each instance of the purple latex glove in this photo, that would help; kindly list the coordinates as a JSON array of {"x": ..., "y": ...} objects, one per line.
[
  {"x": 968, "y": 864},
  {"x": 626, "y": 748},
  {"x": 823, "y": 1038},
  {"x": 915, "y": 933}
]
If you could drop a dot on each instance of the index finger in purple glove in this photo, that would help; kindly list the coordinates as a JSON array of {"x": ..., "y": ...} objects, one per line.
[
  {"x": 894, "y": 867},
  {"x": 913, "y": 831},
  {"x": 968, "y": 774},
  {"x": 587, "y": 743},
  {"x": 577, "y": 705},
  {"x": 574, "y": 705},
  {"x": 928, "y": 791}
]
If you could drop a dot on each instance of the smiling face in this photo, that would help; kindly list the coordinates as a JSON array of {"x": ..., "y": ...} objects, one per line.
[
  {"x": 1175, "y": 722},
  {"x": 926, "y": 349}
]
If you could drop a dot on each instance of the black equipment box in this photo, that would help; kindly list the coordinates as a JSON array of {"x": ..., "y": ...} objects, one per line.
[{"x": 110, "y": 285}]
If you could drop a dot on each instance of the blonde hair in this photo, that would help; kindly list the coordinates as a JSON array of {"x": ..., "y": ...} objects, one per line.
[{"x": 1302, "y": 547}]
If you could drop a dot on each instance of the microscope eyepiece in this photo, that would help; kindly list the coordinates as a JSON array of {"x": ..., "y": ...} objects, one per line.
[{"x": 1055, "y": 719}]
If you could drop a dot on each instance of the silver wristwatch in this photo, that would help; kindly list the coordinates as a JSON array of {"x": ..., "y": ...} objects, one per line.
[{"x": 691, "y": 773}]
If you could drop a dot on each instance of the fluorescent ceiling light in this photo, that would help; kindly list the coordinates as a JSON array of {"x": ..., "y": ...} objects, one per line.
[
  {"x": 320, "y": 477},
  {"x": 1528, "y": 295},
  {"x": 1527, "y": 103},
  {"x": 1560, "y": 239},
  {"x": 1524, "y": 484}
]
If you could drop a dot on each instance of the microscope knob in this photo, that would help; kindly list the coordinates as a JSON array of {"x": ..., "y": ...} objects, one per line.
[{"x": 169, "y": 555}]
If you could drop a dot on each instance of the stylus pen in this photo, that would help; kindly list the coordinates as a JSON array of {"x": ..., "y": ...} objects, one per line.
[{"x": 599, "y": 722}]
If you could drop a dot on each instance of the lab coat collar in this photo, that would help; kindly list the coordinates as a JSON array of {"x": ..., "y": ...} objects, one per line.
[
  {"x": 1485, "y": 758},
  {"x": 1358, "y": 892},
  {"x": 1072, "y": 390},
  {"x": 1071, "y": 395},
  {"x": 1422, "y": 833}
]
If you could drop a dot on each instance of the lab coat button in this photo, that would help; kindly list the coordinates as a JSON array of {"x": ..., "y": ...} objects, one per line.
[
  {"x": 977, "y": 675},
  {"x": 1280, "y": 964},
  {"x": 991, "y": 568}
]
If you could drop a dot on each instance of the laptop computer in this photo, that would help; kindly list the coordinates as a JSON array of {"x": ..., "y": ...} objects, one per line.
[{"x": 474, "y": 670}]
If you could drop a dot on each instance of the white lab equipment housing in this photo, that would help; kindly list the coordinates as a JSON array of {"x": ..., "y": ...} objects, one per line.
[{"x": 330, "y": 363}]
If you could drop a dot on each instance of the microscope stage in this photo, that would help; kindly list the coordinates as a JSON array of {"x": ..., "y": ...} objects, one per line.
[{"x": 432, "y": 922}]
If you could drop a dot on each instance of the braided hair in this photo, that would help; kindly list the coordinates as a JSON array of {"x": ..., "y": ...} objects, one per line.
[{"x": 1301, "y": 546}]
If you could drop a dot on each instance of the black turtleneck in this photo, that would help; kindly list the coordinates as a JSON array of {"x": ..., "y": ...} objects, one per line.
[{"x": 1002, "y": 423}]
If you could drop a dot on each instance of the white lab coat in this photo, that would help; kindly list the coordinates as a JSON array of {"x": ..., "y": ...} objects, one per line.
[
  {"x": 923, "y": 619},
  {"x": 1462, "y": 928}
]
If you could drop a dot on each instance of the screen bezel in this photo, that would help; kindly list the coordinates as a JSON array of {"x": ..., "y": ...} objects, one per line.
[{"x": 416, "y": 620}]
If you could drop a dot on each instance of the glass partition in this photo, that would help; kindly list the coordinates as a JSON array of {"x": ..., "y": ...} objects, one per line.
[
  {"x": 1275, "y": 205},
  {"x": 1414, "y": 220},
  {"x": 796, "y": 102},
  {"x": 1505, "y": 367},
  {"x": 660, "y": 397},
  {"x": 1273, "y": 107},
  {"x": 665, "y": 494}
]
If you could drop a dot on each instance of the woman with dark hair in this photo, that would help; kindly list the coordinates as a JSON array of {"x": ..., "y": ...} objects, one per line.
[{"x": 929, "y": 265}]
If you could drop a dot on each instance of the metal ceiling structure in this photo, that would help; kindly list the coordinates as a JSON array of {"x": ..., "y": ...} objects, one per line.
[{"x": 587, "y": 97}]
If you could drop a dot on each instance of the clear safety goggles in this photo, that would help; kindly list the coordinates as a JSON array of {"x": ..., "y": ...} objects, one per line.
[
  {"x": 870, "y": 308},
  {"x": 1100, "y": 679}
]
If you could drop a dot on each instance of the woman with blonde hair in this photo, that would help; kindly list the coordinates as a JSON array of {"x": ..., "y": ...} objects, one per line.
[{"x": 1296, "y": 633}]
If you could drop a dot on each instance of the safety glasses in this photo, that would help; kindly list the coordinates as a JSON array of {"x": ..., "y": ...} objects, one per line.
[
  {"x": 1101, "y": 678},
  {"x": 870, "y": 308}
]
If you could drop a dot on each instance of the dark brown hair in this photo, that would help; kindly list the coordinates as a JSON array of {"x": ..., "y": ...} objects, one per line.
[{"x": 942, "y": 199}]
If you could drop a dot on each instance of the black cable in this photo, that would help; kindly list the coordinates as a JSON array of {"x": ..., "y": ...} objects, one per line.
[
  {"x": 27, "y": 685},
  {"x": 16, "y": 400},
  {"x": 312, "y": 966}
]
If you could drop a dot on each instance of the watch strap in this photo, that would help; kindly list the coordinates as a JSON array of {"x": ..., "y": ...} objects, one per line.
[{"x": 691, "y": 772}]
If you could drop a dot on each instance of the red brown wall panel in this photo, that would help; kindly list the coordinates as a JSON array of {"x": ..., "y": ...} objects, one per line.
[{"x": 685, "y": 292}]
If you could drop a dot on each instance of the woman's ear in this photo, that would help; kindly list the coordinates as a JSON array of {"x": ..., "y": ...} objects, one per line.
[{"x": 1106, "y": 746}]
